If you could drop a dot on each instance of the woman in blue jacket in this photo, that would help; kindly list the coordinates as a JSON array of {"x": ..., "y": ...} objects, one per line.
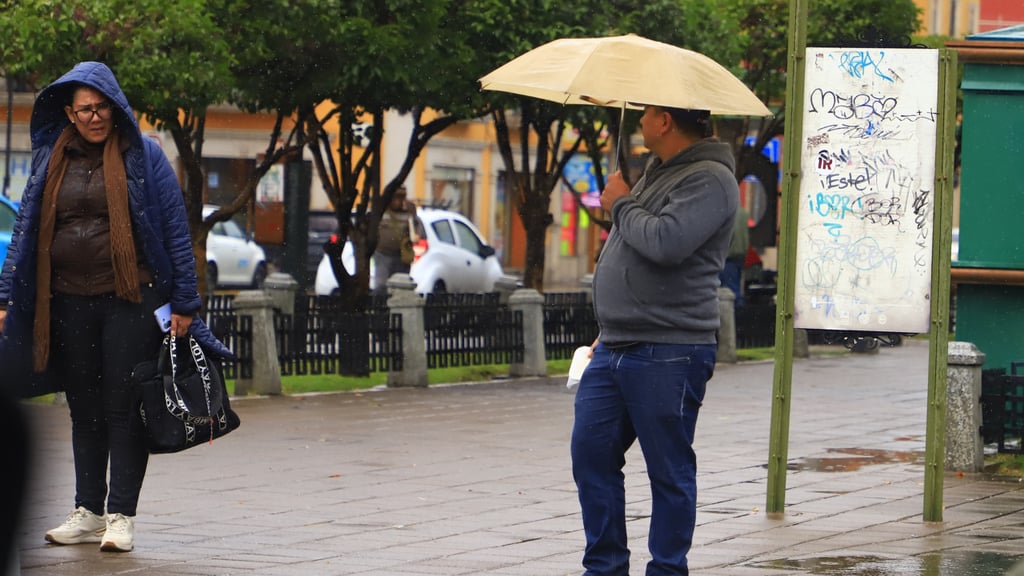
[{"x": 101, "y": 241}]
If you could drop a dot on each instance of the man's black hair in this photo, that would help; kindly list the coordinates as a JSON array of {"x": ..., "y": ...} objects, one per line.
[{"x": 697, "y": 122}]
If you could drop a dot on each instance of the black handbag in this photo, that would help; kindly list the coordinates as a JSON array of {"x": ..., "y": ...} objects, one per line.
[{"x": 181, "y": 400}]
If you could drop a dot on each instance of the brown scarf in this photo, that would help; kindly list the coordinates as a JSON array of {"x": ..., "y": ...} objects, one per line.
[{"x": 126, "y": 281}]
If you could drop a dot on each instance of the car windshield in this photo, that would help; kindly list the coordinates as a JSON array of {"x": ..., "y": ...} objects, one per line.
[{"x": 228, "y": 228}]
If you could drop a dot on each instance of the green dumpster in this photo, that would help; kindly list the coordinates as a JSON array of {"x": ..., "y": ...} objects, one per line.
[{"x": 988, "y": 274}]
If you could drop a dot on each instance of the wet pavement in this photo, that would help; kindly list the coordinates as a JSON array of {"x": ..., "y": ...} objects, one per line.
[{"x": 475, "y": 479}]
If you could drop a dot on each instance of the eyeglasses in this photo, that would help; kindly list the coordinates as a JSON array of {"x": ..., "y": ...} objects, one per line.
[{"x": 86, "y": 114}]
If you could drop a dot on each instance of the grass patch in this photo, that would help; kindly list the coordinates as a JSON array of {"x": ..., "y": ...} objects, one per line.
[
  {"x": 455, "y": 375},
  {"x": 335, "y": 383},
  {"x": 1005, "y": 464},
  {"x": 311, "y": 383},
  {"x": 754, "y": 354}
]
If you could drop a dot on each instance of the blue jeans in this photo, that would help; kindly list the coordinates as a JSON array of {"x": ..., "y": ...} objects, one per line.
[{"x": 651, "y": 393}]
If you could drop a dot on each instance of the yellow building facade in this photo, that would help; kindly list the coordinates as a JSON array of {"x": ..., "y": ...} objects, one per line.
[{"x": 954, "y": 18}]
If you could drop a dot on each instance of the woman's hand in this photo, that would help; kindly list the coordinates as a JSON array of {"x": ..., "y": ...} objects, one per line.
[{"x": 180, "y": 324}]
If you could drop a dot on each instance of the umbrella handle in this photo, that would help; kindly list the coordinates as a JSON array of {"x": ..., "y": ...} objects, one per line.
[{"x": 618, "y": 141}]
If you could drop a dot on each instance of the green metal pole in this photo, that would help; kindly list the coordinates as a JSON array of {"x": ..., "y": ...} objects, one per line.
[
  {"x": 778, "y": 446},
  {"x": 935, "y": 445}
]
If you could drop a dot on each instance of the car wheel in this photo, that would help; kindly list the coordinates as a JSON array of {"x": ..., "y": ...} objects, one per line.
[
  {"x": 259, "y": 276},
  {"x": 439, "y": 287},
  {"x": 211, "y": 277}
]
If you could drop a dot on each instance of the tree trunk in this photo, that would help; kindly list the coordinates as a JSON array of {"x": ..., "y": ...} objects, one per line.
[{"x": 536, "y": 220}]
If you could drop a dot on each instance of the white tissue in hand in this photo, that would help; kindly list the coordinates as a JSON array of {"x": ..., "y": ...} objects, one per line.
[{"x": 580, "y": 359}]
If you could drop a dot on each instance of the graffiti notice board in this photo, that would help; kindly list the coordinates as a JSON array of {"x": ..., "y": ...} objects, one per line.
[{"x": 867, "y": 190}]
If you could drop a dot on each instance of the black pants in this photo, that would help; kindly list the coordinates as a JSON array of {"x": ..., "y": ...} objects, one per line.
[{"x": 96, "y": 341}]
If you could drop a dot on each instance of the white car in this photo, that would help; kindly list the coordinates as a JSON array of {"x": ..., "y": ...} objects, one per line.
[
  {"x": 232, "y": 258},
  {"x": 454, "y": 259}
]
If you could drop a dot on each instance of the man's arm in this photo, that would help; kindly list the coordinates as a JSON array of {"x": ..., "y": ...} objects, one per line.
[{"x": 696, "y": 208}]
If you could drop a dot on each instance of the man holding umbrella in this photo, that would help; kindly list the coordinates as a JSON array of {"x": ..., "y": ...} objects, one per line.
[
  {"x": 656, "y": 282},
  {"x": 656, "y": 300}
]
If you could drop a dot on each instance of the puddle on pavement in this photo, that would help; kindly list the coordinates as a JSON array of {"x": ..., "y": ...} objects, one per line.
[
  {"x": 857, "y": 458},
  {"x": 952, "y": 563}
]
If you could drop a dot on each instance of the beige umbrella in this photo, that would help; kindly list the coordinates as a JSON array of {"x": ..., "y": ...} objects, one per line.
[{"x": 625, "y": 71}]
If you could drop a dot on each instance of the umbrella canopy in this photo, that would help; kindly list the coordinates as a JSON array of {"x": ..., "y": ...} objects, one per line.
[{"x": 625, "y": 71}]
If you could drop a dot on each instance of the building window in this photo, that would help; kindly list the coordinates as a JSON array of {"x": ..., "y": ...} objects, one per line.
[
  {"x": 451, "y": 188},
  {"x": 225, "y": 178}
]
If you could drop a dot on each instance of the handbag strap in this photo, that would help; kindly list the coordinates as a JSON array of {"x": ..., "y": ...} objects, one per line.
[{"x": 202, "y": 368}]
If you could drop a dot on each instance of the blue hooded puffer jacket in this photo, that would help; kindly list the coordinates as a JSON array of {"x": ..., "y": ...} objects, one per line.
[{"x": 158, "y": 217}]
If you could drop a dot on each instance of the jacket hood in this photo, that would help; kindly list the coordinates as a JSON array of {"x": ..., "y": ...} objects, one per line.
[
  {"x": 707, "y": 149},
  {"x": 49, "y": 119}
]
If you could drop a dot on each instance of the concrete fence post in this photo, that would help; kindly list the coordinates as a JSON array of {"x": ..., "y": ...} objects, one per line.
[
  {"x": 531, "y": 304},
  {"x": 505, "y": 286},
  {"x": 404, "y": 300},
  {"x": 801, "y": 346},
  {"x": 266, "y": 369},
  {"x": 727, "y": 326},
  {"x": 965, "y": 450},
  {"x": 587, "y": 286},
  {"x": 281, "y": 288}
]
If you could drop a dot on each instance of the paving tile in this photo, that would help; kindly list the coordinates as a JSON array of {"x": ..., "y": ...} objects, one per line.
[{"x": 476, "y": 479}]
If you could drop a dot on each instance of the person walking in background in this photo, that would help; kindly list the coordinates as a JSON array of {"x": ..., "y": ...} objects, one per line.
[
  {"x": 101, "y": 241},
  {"x": 655, "y": 293},
  {"x": 732, "y": 274},
  {"x": 399, "y": 231}
]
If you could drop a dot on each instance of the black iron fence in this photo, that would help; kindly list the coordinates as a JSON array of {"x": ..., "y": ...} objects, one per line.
[
  {"x": 569, "y": 323},
  {"x": 755, "y": 326},
  {"x": 1002, "y": 408},
  {"x": 471, "y": 330},
  {"x": 327, "y": 336},
  {"x": 324, "y": 336},
  {"x": 234, "y": 331}
]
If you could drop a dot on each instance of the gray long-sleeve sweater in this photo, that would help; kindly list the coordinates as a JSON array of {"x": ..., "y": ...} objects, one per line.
[{"x": 657, "y": 276}]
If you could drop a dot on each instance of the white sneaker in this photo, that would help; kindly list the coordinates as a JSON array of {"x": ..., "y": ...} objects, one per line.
[
  {"x": 80, "y": 526},
  {"x": 120, "y": 534}
]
